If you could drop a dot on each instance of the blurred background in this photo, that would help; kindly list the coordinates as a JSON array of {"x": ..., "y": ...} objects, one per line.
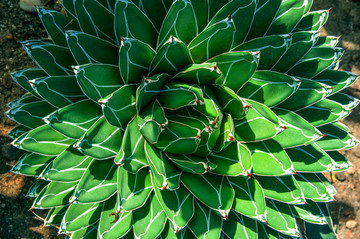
[{"x": 18, "y": 22}]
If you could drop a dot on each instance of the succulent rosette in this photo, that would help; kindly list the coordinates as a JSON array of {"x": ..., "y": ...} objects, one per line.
[{"x": 183, "y": 119}]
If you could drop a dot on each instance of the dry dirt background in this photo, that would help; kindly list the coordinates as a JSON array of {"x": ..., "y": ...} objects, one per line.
[{"x": 16, "y": 25}]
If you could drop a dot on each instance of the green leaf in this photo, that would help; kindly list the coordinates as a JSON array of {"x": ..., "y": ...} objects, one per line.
[
  {"x": 269, "y": 88},
  {"x": 132, "y": 153},
  {"x": 98, "y": 80},
  {"x": 134, "y": 66},
  {"x": 309, "y": 212},
  {"x": 297, "y": 131},
  {"x": 178, "y": 206},
  {"x": 56, "y": 24},
  {"x": 82, "y": 47},
  {"x": 92, "y": 15},
  {"x": 280, "y": 218},
  {"x": 17, "y": 131},
  {"x": 172, "y": 56},
  {"x": 214, "y": 40},
  {"x": 191, "y": 163},
  {"x": 79, "y": 216},
  {"x": 270, "y": 153},
  {"x": 134, "y": 189},
  {"x": 69, "y": 8},
  {"x": 149, "y": 220},
  {"x": 284, "y": 189},
  {"x": 214, "y": 191},
  {"x": 149, "y": 89},
  {"x": 347, "y": 101},
  {"x": 98, "y": 183},
  {"x": 239, "y": 226},
  {"x": 271, "y": 49},
  {"x": 336, "y": 138},
  {"x": 205, "y": 223},
  {"x": 315, "y": 187},
  {"x": 131, "y": 22},
  {"x": 327, "y": 41},
  {"x": 199, "y": 73},
  {"x": 179, "y": 22},
  {"x": 168, "y": 233},
  {"x": 36, "y": 188},
  {"x": 236, "y": 68},
  {"x": 110, "y": 228},
  {"x": 53, "y": 59},
  {"x": 31, "y": 164},
  {"x": 307, "y": 94},
  {"x": 86, "y": 233},
  {"x": 74, "y": 120},
  {"x": 317, "y": 160},
  {"x": 259, "y": 123},
  {"x": 234, "y": 160},
  {"x": 227, "y": 132},
  {"x": 316, "y": 231},
  {"x": 55, "y": 194},
  {"x": 316, "y": 61},
  {"x": 43, "y": 140},
  {"x": 55, "y": 216},
  {"x": 101, "y": 141},
  {"x": 53, "y": 91},
  {"x": 312, "y": 21},
  {"x": 165, "y": 174},
  {"x": 249, "y": 197},
  {"x": 69, "y": 166},
  {"x": 337, "y": 79},
  {"x": 119, "y": 107},
  {"x": 340, "y": 162},
  {"x": 30, "y": 114},
  {"x": 23, "y": 77},
  {"x": 241, "y": 13}
]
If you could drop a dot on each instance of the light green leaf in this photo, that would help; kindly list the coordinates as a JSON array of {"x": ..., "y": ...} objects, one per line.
[
  {"x": 347, "y": 101},
  {"x": 36, "y": 188},
  {"x": 327, "y": 41},
  {"x": 86, "y": 233},
  {"x": 336, "y": 138},
  {"x": 31, "y": 164},
  {"x": 336, "y": 79},
  {"x": 17, "y": 131},
  {"x": 239, "y": 226},
  {"x": 227, "y": 133},
  {"x": 315, "y": 187},
  {"x": 168, "y": 233},
  {"x": 340, "y": 162},
  {"x": 319, "y": 231},
  {"x": 199, "y": 73},
  {"x": 312, "y": 21},
  {"x": 191, "y": 163},
  {"x": 309, "y": 212},
  {"x": 55, "y": 215}
]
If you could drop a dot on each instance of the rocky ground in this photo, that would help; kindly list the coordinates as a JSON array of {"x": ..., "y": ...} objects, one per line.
[{"x": 17, "y": 25}]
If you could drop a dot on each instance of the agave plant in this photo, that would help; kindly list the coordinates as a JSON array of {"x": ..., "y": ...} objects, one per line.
[{"x": 183, "y": 119}]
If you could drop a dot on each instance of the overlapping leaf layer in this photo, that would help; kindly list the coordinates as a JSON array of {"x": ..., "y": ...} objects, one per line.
[{"x": 183, "y": 119}]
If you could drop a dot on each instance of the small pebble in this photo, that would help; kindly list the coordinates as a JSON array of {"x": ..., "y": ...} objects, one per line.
[
  {"x": 9, "y": 36},
  {"x": 30, "y": 5},
  {"x": 350, "y": 224},
  {"x": 340, "y": 176}
]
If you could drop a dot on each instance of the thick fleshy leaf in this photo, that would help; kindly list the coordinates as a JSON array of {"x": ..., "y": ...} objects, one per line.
[
  {"x": 307, "y": 94},
  {"x": 327, "y": 41},
  {"x": 319, "y": 231},
  {"x": 312, "y": 21},
  {"x": 69, "y": 8},
  {"x": 315, "y": 187},
  {"x": 23, "y": 77},
  {"x": 227, "y": 132},
  {"x": 56, "y": 24},
  {"x": 236, "y": 68},
  {"x": 131, "y": 22},
  {"x": 91, "y": 15},
  {"x": 214, "y": 191},
  {"x": 69, "y": 166},
  {"x": 283, "y": 189},
  {"x": 234, "y": 160},
  {"x": 134, "y": 66},
  {"x": 30, "y": 114},
  {"x": 86, "y": 233},
  {"x": 336, "y": 137},
  {"x": 171, "y": 57},
  {"x": 347, "y": 101},
  {"x": 132, "y": 153},
  {"x": 214, "y": 40},
  {"x": 310, "y": 158},
  {"x": 280, "y": 217},
  {"x": 55, "y": 215},
  {"x": 191, "y": 163},
  {"x": 205, "y": 223},
  {"x": 55, "y": 194},
  {"x": 53, "y": 59},
  {"x": 134, "y": 189},
  {"x": 110, "y": 228},
  {"x": 165, "y": 174},
  {"x": 249, "y": 197},
  {"x": 98, "y": 80},
  {"x": 53, "y": 91},
  {"x": 98, "y": 183},
  {"x": 297, "y": 131},
  {"x": 199, "y": 73},
  {"x": 36, "y": 188},
  {"x": 119, "y": 107},
  {"x": 74, "y": 120},
  {"x": 179, "y": 22},
  {"x": 271, "y": 49},
  {"x": 168, "y": 233},
  {"x": 149, "y": 220},
  {"x": 79, "y": 216},
  {"x": 178, "y": 206},
  {"x": 270, "y": 153},
  {"x": 239, "y": 226},
  {"x": 259, "y": 123},
  {"x": 101, "y": 141},
  {"x": 340, "y": 162},
  {"x": 269, "y": 88},
  {"x": 309, "y": 212},
  {"x": 82, "y": 48},
  {"x": 17, "y": 131},
  {"x": 31, "y": 164},
  {"x": 43, "y": 140},
  {"x": 336, "y": 79}
]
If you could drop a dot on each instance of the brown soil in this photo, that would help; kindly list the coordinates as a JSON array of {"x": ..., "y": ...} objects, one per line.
[{"x": 16, "y": 221}]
